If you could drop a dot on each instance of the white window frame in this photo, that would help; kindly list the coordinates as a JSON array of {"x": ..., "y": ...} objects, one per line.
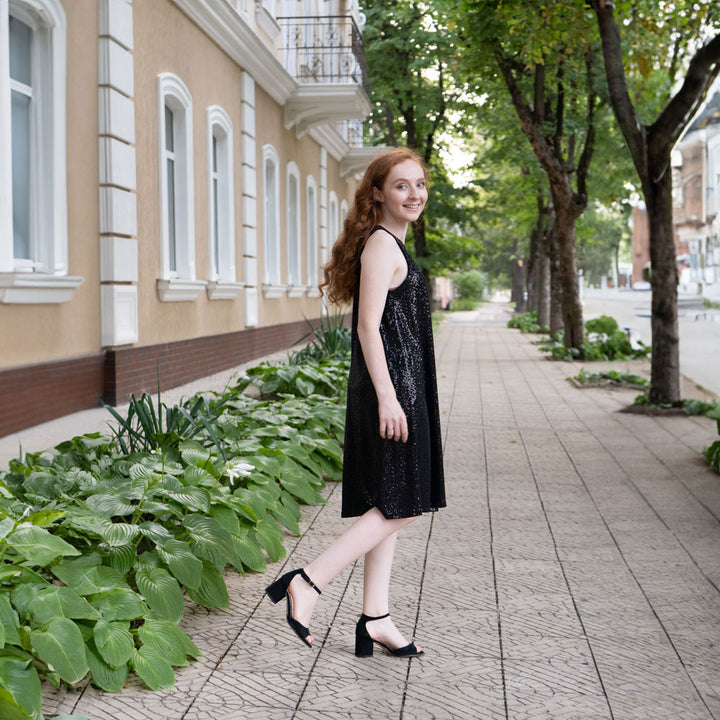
[
  {"x": 222, "y": 271},
  {"x": 272, "y": 286},
  {"x": 293, "y": 231},
  {"x": 312, "y": 235},
  {"x": 45, "y": 278},
  {"x": 178, "y": 284},
  {"x": 333, "y": 224}
]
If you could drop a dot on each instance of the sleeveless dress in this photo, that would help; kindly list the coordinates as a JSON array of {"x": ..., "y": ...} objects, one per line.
[{"x": 400, "y": 479}]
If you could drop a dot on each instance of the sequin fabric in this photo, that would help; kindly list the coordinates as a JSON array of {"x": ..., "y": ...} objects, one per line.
[{"x": 400, "y": 479}]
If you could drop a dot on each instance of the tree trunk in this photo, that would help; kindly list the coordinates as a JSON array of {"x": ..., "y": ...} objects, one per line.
[
  {"x": 567, "y": 214},
  {"x": 543, "y": 282},
  {"x": 518, "y": 285},
  {"x": 665, "y": 359},
  {"x": 533, "y": 264},
  {"x": 556, "y": 285}
]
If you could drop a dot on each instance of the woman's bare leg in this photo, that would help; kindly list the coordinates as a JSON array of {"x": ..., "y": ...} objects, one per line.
[
  {"x": 376, "y": 592},
  {"x": 359, "y": 539}
]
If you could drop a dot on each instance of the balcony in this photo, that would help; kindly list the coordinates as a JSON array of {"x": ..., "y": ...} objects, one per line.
[{"x": 325, "y": 56}]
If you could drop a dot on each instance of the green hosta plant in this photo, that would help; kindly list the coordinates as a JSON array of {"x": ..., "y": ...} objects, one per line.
[{"x": 102, "y": 539}]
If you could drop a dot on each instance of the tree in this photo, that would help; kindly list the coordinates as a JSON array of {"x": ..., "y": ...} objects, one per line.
[
  {"x": 651, "y": 144},
  {"x": 408, "y": 48},
  {"x": 547, "y": 61}
]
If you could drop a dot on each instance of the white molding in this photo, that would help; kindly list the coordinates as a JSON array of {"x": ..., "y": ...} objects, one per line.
[
  {"x": 296, "y": 291},
  {"x": 118, "y": 212},
  {"x": 312, "y": 231},
  {"x": 173, "y": 91},
  {"x": 119, "y": 314},
  {"x": 267, "y": 23},
  {"x": 358, "y": 158},
  {"x": 250, "y": 266},
  {"x": 49, "y": 170},
  {"x": 37, "y": 288},
  {"x": 223, "y": 290},
  {"x": 313, "y": 292},
  {"x": 118, "y": 259},
  {"x": 251, "y": 307},
  {"x": 218, "y": 118},
  {"x": 272, "y": 274},
  {"x": 116, "y": 115},
  {"x": 116, "y": 67},
  {"x": 250, "y": 241},
  {"x": 179, "y": 290},
  {"x": 294, "y": 274},
  {"x": 330, "y": 140},
  {"x": 272, "y": 292},
  {"x": 117, "y": 163},
  {"x": 232, "y": 33},
  {"x": 116, "y": 21},
  {"x": 315, "y": 104}
]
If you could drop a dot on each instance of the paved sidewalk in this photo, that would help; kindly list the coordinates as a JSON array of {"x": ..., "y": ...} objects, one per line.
[{"x": 574, "y": 575}]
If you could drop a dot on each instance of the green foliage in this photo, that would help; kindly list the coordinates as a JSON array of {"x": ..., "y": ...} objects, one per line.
[
  {"x": 604, "y": 341},
  {"x": 102, "y": 539},
  {"x": 469, "y": 284},
  {"x": 610, "y": 377},
  {"x": 712, "y": 453},
  {"x": 330, "y": 340},
  {"x": 526, "y": 323}
]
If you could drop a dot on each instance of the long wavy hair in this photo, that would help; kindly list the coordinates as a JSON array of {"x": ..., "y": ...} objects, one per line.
[{"x": 342, "y": 271}]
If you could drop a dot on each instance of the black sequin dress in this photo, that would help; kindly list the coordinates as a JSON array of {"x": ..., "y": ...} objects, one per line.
[{"x": 400, "y": 479}]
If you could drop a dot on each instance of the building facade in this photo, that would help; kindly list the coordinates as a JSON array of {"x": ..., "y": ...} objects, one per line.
[{"x": 173, "y": 174}]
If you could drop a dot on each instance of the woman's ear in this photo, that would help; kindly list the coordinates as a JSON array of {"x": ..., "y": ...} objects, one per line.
[{"x": 377, "y": 195}]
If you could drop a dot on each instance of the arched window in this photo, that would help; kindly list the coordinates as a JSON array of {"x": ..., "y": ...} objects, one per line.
[
  {"x": 33, "y": 166},
  {"x": 221, "y": 202},
  {"x": 271, "y": 223},
  {"x": 312, "y": 236},
  {"x": 294, "y": 233},
  {"x": 176, "y": 197}
]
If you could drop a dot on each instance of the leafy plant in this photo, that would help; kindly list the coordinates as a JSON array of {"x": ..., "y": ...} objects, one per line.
[
  {"x": 712, "y": 453},
  {"x": 329, "y": 341},
  {"x": 604, "y": 341},
  {"x": 102, "y": 539},
  {"x": 526, "y": 323},
  {"x": 610, "y": 377}
]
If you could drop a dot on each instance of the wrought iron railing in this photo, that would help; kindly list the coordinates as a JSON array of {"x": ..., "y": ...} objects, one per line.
[{"x": 324, "y": 49}]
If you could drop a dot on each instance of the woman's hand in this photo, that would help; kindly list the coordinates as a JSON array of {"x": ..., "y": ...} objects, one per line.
[{"x": 393, "y": 423}]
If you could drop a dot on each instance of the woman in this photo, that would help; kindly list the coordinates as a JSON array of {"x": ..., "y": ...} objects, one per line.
[{"x": 392, "y": 470}]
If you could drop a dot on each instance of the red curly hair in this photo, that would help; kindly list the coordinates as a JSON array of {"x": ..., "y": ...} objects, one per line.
[{"x": 342, "y": 271}]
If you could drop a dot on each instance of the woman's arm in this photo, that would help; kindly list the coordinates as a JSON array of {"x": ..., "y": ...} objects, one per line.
[{"x": 382, "y": 264}]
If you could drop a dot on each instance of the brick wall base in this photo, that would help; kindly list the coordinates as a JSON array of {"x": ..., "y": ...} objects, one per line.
[{"x": 37, "y": 393}]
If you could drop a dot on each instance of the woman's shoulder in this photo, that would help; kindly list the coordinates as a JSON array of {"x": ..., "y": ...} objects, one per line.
[{"x": 381, "y": 239}]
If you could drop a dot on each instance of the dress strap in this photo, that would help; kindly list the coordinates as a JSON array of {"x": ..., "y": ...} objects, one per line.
[{"x": 382, "y": 227}]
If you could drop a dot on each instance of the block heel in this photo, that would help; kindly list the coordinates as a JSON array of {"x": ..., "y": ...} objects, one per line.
[
  {"x": 278, "y": 590},
  {"x": 364, "y": 642}
]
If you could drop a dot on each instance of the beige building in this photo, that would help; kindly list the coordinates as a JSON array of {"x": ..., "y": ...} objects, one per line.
[{"x": 172, "y": 176}]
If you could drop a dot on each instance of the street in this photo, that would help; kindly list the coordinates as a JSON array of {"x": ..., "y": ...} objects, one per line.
[{"x": 699, "y": 329}]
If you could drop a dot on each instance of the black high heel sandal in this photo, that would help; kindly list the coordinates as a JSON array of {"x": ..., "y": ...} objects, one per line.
[
  {"x": 279, "y": 590},
  {"x": 364, "y": 642}
]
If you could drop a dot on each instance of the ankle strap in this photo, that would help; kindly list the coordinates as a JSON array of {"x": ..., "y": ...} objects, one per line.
[
  {"x": 305, "y": 577},
  {"x": 367, "y": 618}
]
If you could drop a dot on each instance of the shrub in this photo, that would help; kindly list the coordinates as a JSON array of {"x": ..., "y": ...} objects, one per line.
[
  {"x": 101, "y": 539},
  {"x": 469, "y": 285},
  {"x": 330, "y": 340},
  {"x": 526, "y": 323}
]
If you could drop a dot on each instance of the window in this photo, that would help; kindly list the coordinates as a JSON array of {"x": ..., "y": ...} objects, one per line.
[
  {"x": 176, "y": 198},
  {"x": 294, "y": 252},
  {"x": 271, "y": 223},
  {"x": 333, "y": 219},
  {"x": 33, "y": 175},
  {"x": 312, "y": 237},
  {"x": 221, "y": 210}
]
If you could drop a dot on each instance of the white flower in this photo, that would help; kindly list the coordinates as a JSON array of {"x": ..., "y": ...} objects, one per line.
[{"x": 236, "y": 468}]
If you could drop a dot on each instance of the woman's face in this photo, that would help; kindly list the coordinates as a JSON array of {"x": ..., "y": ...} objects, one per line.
[{"x": 404, "y": 192}]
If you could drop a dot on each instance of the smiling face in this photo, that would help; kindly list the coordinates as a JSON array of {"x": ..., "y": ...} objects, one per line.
[{"x": 403, "y": 195}]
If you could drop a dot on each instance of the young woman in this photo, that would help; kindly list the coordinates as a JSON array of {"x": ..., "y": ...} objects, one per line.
[{"x": 393, "y": 457}]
